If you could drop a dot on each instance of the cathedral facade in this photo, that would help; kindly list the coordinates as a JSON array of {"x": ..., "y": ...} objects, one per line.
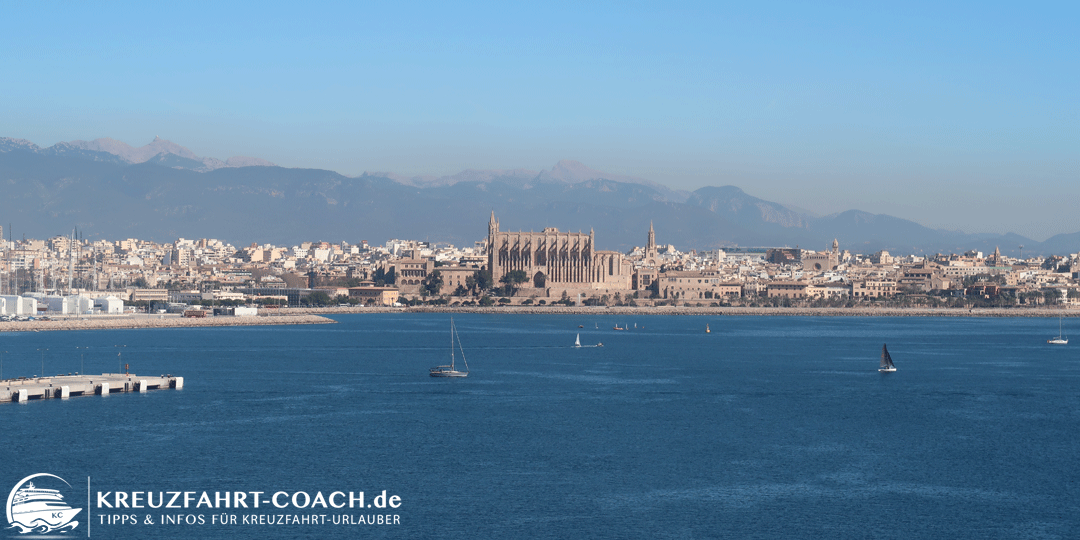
[{"x": 556, "y": 261}]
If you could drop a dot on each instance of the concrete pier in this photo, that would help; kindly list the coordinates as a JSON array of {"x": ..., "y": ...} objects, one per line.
[{"x": 64, "y": 386}]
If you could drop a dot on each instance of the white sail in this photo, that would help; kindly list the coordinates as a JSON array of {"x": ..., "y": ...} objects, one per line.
[{"x": 451, "y": 370}]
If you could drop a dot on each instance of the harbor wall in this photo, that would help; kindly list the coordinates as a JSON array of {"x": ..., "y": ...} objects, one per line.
[{"x": 64, "y": 386}]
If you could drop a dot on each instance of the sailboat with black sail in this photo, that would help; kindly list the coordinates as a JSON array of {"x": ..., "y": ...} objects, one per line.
[
  {"x": 886, "y": 360},
  {"x": 451, "y": 370}
]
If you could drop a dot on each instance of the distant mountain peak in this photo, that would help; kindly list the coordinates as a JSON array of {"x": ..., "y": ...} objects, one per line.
[
  {"x": 572, "y": 172},
  {"x": 566, "y": 171},
  {"x": 158, "y": 151},
  {"x": 8, "y": 144}
]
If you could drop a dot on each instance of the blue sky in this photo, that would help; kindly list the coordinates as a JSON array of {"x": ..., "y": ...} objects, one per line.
[{"x": 962, "y": 116}]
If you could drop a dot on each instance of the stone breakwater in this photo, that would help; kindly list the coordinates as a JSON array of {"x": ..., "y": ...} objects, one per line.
[{"x": 107, "y": 323}]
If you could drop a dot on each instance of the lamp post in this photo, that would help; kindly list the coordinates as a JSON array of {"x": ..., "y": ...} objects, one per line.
[
  {"x": 82, "y": 355},
  {"x": 43, "y": 361},
  {"x": 119, "y": 357},
  {"x": 2, "y": 353}
]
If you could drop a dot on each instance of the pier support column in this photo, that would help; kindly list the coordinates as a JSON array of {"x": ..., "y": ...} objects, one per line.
[
  {"x": 63, "y": 392},
  {"x": 104, "y": 389},
  {"x": 141, "y": 386},
  {"x": 22, "y": 395},
  {"x": 178, "y": 383}
]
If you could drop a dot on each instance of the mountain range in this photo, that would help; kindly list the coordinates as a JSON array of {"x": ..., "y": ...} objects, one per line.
[{"x": 163, "y": 191}]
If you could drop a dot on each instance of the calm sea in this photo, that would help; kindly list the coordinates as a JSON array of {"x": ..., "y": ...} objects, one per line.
[{"x": 767, "y": 427}]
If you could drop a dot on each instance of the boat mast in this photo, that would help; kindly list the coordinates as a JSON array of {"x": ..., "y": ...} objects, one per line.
[
  {"x": 462, "y": 351},
  {"x": 451, "y": 343}
]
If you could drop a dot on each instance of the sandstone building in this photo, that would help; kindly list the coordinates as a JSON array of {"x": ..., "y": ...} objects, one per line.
[
  {"x": 556, "y": 262},
  {"x": 819, "y": 261}
]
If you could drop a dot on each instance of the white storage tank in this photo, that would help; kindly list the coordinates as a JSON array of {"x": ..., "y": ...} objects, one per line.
[
  {"x": 10, "y": 305},
  {"x": 110, "y": 305},
  {"x": 83, "y": 304},
  {"x": 59, "y": 304},
  {"x": 28, "y": 306}
]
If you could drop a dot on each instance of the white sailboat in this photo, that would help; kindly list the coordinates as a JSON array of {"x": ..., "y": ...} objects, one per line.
[
  {"x": 577, "y": 341},
  {"x": 451, "y": 370},
  {"x": 1058, "y": 340},
  {"x": 886, "y": 360}
]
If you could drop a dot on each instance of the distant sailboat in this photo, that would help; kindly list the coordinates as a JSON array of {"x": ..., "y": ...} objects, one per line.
[
  {"x": 577, "y": 341},
  {"x": 1058, "y": 340},
  {"x": 886, "y": 360},
  {"x": 617, "y": 327},
  {"x": 451, "y": 371},
  {"x": 706, "y": 328}
]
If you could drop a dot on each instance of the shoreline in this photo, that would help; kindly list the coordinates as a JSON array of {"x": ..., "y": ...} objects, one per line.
[
  {"x": 714, "y": 311},
  {"x": 105, "y": 322},
  {"x": 298, "y": 316}
]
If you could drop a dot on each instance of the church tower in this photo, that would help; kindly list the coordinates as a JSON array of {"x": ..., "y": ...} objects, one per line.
[{"x": 493, "y": 231}]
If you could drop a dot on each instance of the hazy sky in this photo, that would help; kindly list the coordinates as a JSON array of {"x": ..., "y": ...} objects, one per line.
[{"x": 956, "y": 115}]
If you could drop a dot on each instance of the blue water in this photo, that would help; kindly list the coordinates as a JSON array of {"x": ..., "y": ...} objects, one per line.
[{"x": 771, "y": 427}]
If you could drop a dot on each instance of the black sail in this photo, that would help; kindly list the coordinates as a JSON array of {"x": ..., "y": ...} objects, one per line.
[{"x": 886, "y": 360}]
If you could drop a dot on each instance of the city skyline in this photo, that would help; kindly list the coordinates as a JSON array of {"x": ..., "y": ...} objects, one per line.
[{"x": 960, "y": 117}]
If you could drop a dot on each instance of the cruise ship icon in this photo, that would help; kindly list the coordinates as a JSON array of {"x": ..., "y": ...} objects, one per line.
[{"x": 39, "y": 510}]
